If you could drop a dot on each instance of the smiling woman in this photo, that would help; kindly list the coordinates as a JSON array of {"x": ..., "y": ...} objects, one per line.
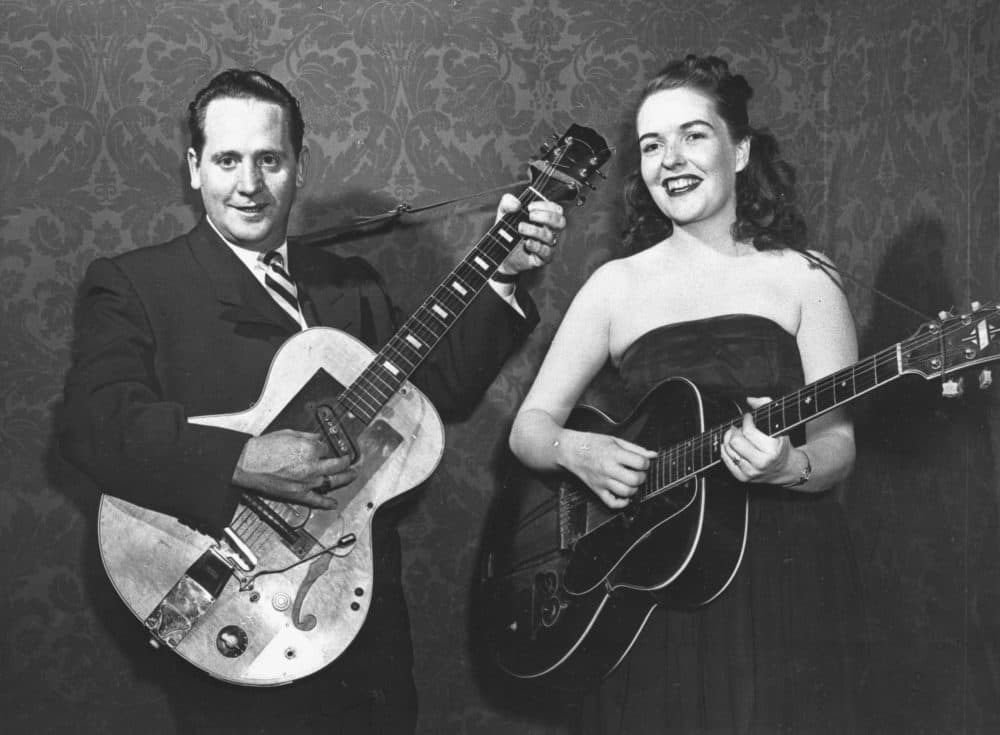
[
  {"x": 688, "y": 158},
  {"x": 717, "y": 292}
]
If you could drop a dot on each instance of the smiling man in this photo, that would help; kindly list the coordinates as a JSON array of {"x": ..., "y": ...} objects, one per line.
[
  {"x": 247, "y": 171},
  {"x": 189, "y": 328}
]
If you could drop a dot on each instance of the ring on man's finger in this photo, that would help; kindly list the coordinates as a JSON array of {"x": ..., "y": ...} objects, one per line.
[{"x": 327, "y": 484}]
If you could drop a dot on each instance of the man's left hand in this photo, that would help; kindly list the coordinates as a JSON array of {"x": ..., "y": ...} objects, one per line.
[{"x": 539, "y": 233}]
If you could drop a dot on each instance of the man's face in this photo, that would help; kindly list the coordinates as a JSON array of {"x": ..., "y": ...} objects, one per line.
[{"x": 248, "y": 172}]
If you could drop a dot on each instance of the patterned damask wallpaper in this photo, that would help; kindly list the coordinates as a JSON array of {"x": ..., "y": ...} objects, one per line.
[{"x": 890, "y": 110}]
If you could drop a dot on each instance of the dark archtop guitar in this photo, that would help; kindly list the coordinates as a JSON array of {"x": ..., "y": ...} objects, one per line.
[
  {"x": 567, "y": 584},
  {"x": 287, "y": 588}
]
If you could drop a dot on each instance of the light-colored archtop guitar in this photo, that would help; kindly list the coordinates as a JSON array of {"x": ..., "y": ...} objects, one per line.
[{"x": 286, "y": 589}]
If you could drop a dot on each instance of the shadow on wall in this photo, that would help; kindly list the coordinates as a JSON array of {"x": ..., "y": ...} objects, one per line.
[
  {"x": 913, "y": 273},
  {"x": 921, "y": 506}
]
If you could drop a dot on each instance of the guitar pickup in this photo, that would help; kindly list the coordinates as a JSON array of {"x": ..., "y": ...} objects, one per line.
[{"x": 336, "y": 435}]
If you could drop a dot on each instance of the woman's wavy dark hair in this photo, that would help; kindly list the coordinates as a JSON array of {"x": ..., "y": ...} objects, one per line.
[{"x": 767, "y": 212}]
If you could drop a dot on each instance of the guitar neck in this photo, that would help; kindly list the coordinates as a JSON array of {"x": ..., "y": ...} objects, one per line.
[
  {"x": 407, "y": 349},
  {"x": 686, "y": 459}
]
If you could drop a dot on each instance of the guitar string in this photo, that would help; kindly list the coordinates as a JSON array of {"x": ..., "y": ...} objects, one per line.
[
  {"x": 367, "y": 384},
  {"x": 365, "y": 381},
  {"x": 574, "y": 498},
  {"x": 706, "y": 440},
  {"x": 246, "y": 516}
]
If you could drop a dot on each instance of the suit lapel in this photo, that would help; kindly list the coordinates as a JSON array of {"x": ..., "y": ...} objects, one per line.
[
  {"x": 317, "y": 276},
  {"x": 243, "y": 298}
]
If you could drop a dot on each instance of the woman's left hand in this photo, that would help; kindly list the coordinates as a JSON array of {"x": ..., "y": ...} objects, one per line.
[{"x": 750, "y": 454}]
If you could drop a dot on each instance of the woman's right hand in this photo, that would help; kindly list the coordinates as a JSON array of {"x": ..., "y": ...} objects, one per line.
[{"x": 613, "y": 468}]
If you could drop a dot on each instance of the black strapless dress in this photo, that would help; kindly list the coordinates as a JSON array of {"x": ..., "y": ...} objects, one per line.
[{"x": 781, "y": 650}]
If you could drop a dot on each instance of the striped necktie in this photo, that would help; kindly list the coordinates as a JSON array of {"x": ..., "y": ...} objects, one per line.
[{"x": 280, "y": 284}]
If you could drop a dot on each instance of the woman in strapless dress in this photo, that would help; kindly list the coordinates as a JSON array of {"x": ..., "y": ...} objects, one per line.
[{"x": 720, "y": 289}]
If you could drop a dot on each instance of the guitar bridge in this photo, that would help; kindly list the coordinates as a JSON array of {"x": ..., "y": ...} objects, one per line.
[{"x": 188, "y": 600}]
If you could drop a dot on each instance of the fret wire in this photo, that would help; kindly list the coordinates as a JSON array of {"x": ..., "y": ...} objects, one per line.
[
  {"x": 448, "y": 297},
  {"x": 421, "y": 328},
  {"x": 348, "y": 400},
  {"x": 363, "y": 392},
  {"x": 447, "y": 287},
  {"x": 425, "y": 325},
  {"x": 375, "y": 374},
  {"x": 386, "y": 378},
  {"x": 676, "y": 456},
  {"x": 471, "y": 287},
  {"x": 401, "y": 350},
  {"x": 375, "y": 393},
  {"x": 462, "y": 276},
  {"x": 429, "y": 321},
  {"x": 404, "y": 341},
  {"x": 471, "y": 276}
]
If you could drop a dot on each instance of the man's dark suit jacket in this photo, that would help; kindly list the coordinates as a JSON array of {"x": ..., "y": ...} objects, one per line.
[{"x": 184, "y": 329}]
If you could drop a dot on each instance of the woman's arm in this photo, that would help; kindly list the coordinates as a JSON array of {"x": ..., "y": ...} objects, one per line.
[
  {"x": 827, "y": 343},
  {"x": 612, "y": 467}
]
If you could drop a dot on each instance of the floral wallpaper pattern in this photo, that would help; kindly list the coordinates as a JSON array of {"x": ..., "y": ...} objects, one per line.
[{"x": 890, "y": 111}]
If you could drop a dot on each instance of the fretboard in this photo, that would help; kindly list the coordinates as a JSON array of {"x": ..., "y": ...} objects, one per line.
[
  {"x": 407, "y": 349},
  {"x": 686, "y": 459}
]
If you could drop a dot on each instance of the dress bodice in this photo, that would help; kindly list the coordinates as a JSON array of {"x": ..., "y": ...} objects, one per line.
[
  {"x": 792, "y": 614},
  {"x": 729, "y": 356}
]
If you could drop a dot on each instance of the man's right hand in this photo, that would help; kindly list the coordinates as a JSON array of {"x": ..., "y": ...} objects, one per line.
[
  {"x": 291, "y": 466},
  {"x": 612, "y": 467}
]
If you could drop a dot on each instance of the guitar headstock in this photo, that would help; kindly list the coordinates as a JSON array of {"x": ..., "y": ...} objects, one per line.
[
  {"x": 953, "y": 343},
  {"x": 569, "y": 164}
]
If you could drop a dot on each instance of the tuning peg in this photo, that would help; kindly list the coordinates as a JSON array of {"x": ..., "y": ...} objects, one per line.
[
  {"x": 976, "y": 306},
  {"x": 953, "y": 388},
  {"x": 985, "y": 378},
  {"x": 942, "y": 315}
]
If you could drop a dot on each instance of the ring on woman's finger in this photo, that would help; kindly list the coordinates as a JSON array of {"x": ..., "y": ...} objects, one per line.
[
  {"x": 327, "y": 484},
  {"x": 737, "y": 460}
]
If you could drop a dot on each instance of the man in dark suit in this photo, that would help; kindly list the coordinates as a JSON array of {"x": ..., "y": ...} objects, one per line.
[{"x": 190, "y": 327}]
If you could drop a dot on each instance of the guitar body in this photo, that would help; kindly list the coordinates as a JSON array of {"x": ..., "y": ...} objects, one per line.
[
  {"x": 570, "y": 583},
  {"x": 295, "y": 621},
  {"x": 286, "y": 589}
]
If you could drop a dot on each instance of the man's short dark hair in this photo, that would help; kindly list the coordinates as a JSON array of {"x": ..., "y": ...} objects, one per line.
[{"x": 244, "y": 84}]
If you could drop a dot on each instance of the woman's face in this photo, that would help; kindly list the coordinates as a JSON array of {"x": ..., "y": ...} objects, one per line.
[{"x": 688, "y": 159}]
